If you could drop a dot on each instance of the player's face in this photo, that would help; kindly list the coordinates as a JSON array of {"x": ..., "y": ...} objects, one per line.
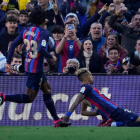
[
  {"x": 11, "y": 26},
  {"x": 88, "y": 46},
  {"x": 90, "y": 78},
  {"x": 136, "y": 21},
  {"x": 16, "y": 61},
  {"x": 113, "y": 56},
  {"x": 111, "y": 41},
  {"x": 23, "y": 19}
]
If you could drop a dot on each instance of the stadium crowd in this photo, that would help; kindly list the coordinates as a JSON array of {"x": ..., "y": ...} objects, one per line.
[{"x": 101, "y": 35}]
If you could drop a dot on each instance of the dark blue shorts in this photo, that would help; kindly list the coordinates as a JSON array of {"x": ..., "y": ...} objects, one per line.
[
  {"x": 35, "y": 80},
  {"x": 123, "y": 115}
]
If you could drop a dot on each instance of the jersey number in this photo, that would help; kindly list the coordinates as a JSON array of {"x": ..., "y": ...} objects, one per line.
[{"x": 33, "y": 44}]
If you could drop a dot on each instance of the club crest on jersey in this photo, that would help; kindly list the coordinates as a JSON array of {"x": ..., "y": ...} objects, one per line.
[
  {"x": 43, "y": 43},
  {"x": 82, "y": 90}
]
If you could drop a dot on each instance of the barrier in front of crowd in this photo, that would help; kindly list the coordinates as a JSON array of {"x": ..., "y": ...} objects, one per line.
[{"x": 122, "y": 90}]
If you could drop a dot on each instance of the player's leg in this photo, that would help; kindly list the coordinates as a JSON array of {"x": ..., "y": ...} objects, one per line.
[
  {"x": 46, "y": 89},
  {"x": 32, "y": 85}
]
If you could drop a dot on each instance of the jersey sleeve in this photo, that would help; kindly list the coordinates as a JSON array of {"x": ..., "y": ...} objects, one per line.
[
  {"x": 42, "y": 44},
  {"x": 14, "y": 44},
  {"x": 84, "y": 90}
]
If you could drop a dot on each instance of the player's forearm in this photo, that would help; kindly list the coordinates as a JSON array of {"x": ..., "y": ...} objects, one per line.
[
  {"x": 45, "y": 53},
  {"x": 79, "y": 98},
  {"x": 60, "y": 46},
  {"x": 88, "y": 113}
]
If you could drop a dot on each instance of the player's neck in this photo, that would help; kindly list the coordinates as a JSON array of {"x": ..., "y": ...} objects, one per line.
[{"x": 85, "y": 82}]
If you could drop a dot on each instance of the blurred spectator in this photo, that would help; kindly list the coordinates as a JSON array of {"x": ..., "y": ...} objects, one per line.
[
  {"x": 90, "y": 59},
  {"x": 74, "y": 6},
  {"x": 2, "y": 13},
  {"x": 72, "y": 65},
  {"x": 96, "y": 36},
  {"x": 96, "y": 6},
  {"x": 57, "y": 34},
  {"x": 49, "y": 68},
  {"x": 11, "y": 5},
  {"x": 132, "y": 5},
  {"x": 8, "y": 34},
  {"x": 2, "y": 62},
  {"x": 125, "y": 65},
  {"x": 111, "y": 41},
  {"x": 8, "y": 14},
  {"x": 129, "y": 34},
  {"x": 48, "y": 7},
  {"x": 69, "y": 46},
  {"x": 23, "y": 19},
  {"x": 113, "y": 65},
  {"x": 107, "y": 29},
  {"x": 16, "y": 60},
  {"x": 83, "y": 31}
]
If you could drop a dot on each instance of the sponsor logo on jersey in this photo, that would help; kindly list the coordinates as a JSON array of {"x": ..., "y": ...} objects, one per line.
[
  {"x": 43, "y": 43},
  {"x": 82, "y": 90}
]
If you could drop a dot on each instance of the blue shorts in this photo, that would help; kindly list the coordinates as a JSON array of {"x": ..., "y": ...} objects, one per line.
[
  {"x": 124, "y": 115},
  {"x": 35, "y": 80}
]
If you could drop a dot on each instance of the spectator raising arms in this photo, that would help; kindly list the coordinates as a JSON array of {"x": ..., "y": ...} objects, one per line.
[{"x": 69, "y": 46}]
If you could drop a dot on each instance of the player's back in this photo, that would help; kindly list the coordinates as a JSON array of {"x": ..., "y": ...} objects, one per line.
[
  {"x": 105, "y": 106},
  {"x": 34, "y": 38}
]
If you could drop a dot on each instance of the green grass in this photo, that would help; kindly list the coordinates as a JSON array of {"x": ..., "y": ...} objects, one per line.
[{"x": 70, "y": 133}]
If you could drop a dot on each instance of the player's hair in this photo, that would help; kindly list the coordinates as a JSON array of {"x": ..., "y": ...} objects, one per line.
[
  {"x": 11, "y": 19},
  {"x": 70, "y": 23},
  {"x": 16, "y": 56},
  {"x": 37, "y": 16},
  {"x": 24, "y": 12},
  {"x": 81, "y": 73},
  {"x": 57, "y": 29},
  {"x": 113, "y": 48}
]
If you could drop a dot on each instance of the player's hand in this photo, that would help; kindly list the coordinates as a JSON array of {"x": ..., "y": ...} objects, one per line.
[
  {"x": 65, "y": 118},
  {"x": 54, "y": 59},
  {"x": 8, "y": 68}
]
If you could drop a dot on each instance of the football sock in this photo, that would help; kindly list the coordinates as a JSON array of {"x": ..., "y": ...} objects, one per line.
[
  {"x": 50, "y": 105},
  {"x": 133, "y": 124},
  {"x": 117, "y": 124},
  {"x": 17, "y": 98}
]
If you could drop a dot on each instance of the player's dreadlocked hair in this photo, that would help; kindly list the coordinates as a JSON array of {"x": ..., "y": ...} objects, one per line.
[
  {"x": 80, "y": 73},
  {"x": 37, "y": 15}
]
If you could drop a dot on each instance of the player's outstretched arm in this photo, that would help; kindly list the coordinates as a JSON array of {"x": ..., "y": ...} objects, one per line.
[{"x": 79, "y": 98}]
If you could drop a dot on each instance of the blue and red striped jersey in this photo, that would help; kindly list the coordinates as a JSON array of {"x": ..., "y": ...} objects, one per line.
[
  {"x": 35, "y": 39},
  {"x": 104, "y": 105},
  {"x": 70, "y": 50}
]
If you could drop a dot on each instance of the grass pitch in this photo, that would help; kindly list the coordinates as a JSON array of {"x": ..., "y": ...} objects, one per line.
[{"x": 69, "y": 133}]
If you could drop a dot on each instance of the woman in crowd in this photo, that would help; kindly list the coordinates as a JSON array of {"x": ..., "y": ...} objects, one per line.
[
  {"x": 111, "y": 41},
  {"x": 89, "y": 59}
]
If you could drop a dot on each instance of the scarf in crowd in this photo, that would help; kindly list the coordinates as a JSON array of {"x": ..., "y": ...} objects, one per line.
[{"x": 87, "y": 58}]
